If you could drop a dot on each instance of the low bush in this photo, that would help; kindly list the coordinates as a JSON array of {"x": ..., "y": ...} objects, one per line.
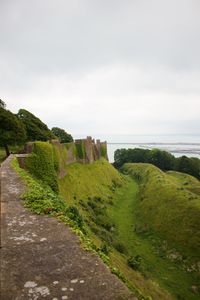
[{"x": 134, "y": 262}]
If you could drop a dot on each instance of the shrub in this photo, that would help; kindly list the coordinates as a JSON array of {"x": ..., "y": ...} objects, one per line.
[
  {"x": 120, "y": 248},
  {"x": 105, "y": 249},
  {"x": 73, "y": 213},
  {"x": 134, "y": 262}
]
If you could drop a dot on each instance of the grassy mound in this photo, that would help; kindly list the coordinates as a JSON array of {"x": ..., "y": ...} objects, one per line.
[
  {"x": 99, "y": 179},
  {"x": 186, "y": 181},
  {"x": 168, "y": 205}
]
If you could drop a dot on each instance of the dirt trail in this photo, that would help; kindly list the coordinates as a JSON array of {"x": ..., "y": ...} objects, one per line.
[{"x": 42, "y": 258}]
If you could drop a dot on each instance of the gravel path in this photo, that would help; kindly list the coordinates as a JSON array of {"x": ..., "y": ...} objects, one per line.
[{"x": 42, "y": 258}]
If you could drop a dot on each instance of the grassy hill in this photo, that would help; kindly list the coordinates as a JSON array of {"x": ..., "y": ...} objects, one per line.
[
  {"x": 168, "y": 206},
  {"x": 89, "y": 180},
  {"x": 186, "y": 181}
]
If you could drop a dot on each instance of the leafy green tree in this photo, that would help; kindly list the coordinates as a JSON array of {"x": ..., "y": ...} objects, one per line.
[
  {"x": 195, "y": 166},
  {"x": 62, "y": 135},
  {"x": 161, "y": 159},
  {"x": 188, "y": 165},
  {"x": 35, "y": 128},
  {"x": 12, "y": 131}
]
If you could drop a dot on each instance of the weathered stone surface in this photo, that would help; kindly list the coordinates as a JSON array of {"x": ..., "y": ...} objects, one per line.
[{"x": 42, "y": 258}]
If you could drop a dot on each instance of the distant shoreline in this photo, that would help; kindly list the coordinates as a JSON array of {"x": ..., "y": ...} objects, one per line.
[
  {"x": 128, "y": 143},
  {"x": 187, "y": 149}
]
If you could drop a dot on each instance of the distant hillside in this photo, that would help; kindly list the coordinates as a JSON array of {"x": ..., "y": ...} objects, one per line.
[{"x": 169, "y": 203}]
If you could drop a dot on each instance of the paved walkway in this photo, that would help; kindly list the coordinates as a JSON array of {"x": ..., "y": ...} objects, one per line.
[{"x": 42, "y": 258}]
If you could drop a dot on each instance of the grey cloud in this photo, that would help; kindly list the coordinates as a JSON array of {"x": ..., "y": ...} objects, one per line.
[
  {"x": 84, "y": 59},
  {"x": 62, "y": 36}
]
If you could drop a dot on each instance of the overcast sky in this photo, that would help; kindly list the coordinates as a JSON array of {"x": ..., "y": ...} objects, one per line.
[{"x": 103, "y": 66}]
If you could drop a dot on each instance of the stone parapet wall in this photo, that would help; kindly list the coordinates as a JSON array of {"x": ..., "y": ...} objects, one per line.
[
  {"x": 88, "y": 151},
  {"x": 84, "y": 151}
]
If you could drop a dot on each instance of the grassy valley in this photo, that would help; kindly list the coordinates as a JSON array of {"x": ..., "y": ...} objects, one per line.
[{"x": 143, "y": 221}]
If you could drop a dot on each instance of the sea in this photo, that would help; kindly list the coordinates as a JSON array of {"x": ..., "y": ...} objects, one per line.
[{"x": 178, "y": 145}]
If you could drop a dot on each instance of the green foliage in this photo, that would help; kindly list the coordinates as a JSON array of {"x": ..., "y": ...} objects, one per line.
[
  {"x": 120, "y": 247},
  {"x": 12, "y": 131},
  {"x": 105, "y": 249},
  {"x": 161, "y": 159},
  {"x": 188, "y": 165},
  {"x": 73, "y": 214},
  {"x": 134, "y": 262},
  {"x": 41, "y": 164},
  {"x": 36, "y": 130},
  {"x": 103, "y": 150},
  {"x": 38, "y": 196},
  {"x": 2, "y": 155},
  {"x": 56, "y": 157},
  {"x": 62, "y": 135},
  {"x": 80, "y": 150}
]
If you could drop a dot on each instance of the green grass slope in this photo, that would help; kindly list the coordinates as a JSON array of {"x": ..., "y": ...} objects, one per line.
[
  {"x": 186, "y": 181},
  {"x": 108, "y": 202},
  {"x": 90, "y": 180},
  {"x": 168, "y": 207},
  {"x": 104, "y": 198}
]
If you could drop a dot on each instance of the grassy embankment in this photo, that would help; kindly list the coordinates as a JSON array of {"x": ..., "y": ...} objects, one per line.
[
  {"x": 110, "y": 203},
  {"x": 168, "y": 207}
]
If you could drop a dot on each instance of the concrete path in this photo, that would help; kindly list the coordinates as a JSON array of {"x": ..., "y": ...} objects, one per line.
[{"x": 42, "y": 258}]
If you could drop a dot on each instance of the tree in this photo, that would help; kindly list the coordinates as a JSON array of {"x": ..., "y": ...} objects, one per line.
[
  {"x": 161, "y": 159},
  {"x": 2, "y": 104},
  {"x": 12, "y": 131},
  {"x": 188, "y": 165},
  {"x": 62, "y": 135},
  {"x": 36, "y": 130}
]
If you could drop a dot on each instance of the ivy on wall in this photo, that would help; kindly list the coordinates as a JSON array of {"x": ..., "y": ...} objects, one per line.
[
  {"x": 43, "y": 164},
  {"x": 80, "y": 150},
  {"x": 103, "y": 150}
]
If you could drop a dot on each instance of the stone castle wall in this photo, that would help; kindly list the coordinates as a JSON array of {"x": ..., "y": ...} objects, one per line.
[{"x": 85, "y": 151}]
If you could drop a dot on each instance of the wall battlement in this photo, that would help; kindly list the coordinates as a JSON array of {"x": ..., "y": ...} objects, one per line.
[
  {"x": 88, "y": 151},
  {"x": 84, "y": 151}
]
